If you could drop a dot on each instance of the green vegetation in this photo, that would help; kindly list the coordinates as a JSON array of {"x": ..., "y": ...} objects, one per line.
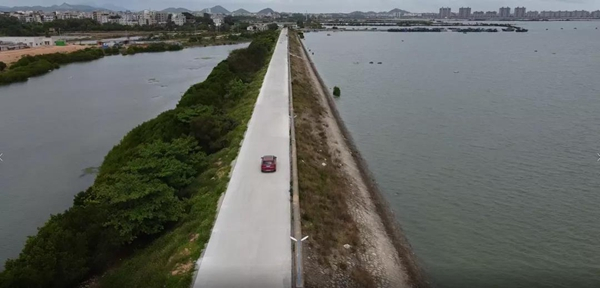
[
  {"x": 155, "y": 194},
  {"x": 223, "y": 39},
  {"x": 336, "y": 91},
  {"x": 2, "y": 66},
  {"x": 273, "y": 26},
  {"x": 29, "y": 66},
  {"x": 154, "y": 47}
]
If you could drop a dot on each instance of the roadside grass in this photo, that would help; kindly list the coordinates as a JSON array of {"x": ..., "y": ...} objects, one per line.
[
  {"x": 323, "y": 190},
  {"x": 170, "y": 260},
  {"x": 215, "y": 42}
]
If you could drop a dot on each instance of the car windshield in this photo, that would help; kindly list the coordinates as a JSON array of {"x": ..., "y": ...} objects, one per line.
[{"x": 267, "y": 162}]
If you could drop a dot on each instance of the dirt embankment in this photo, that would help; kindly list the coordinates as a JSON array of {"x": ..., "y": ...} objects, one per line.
[
  {"x": 355, "y": 241},
  {"x": 12, "y": 56}
]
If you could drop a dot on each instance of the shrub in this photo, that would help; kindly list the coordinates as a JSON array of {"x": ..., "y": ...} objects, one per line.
[
  {"x": 2, "y": 66},
  {"x": 154, "y": 47},
  {"x": 336, "y": 91},
  {"x": 143, "y": 182}
]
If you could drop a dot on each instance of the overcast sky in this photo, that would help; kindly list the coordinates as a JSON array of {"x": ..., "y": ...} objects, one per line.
[{"x": 328, "y": 5}]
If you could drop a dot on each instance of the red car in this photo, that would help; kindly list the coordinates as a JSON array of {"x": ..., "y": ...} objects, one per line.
[{"x": 269, "y": 163}]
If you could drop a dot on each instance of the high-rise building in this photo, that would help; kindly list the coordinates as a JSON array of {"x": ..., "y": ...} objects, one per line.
[
  {"x": 478, "y": 14},
  {"x": 532, "y": 14},
  {"x": 491, "y": 14},
  {"x": 96, "y": 15},
  {"x": 504, "y": 12},
  {"x": 146, "y": 18},
  {"x": 596, "y": 14},
  {"x": 464, "y": 12},
  {"x": 445, "y": 12},
  {"x": 580, "y": 14},
  {"x": 520, "y": 12},
  {"x": 161, "y": 17}
]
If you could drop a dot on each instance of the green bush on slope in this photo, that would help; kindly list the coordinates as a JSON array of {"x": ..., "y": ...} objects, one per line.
[{"x": 141, "y": 188}]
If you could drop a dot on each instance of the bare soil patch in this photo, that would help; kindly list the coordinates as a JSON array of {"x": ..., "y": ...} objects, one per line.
[{"x": 12, "y": 56}]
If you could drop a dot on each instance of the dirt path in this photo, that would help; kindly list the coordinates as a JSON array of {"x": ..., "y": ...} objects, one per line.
[
  {"x": 12, "y": 56},
  {"x": 377, "y": 254}
]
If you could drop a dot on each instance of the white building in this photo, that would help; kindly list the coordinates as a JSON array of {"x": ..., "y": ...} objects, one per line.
[
  {"x": 217, "y": 19},
  {"x": 146, "y": 18},
  {"x": 29, "y": 41},
  {"x": 48, "y": 18},
  {"x": 178, "y": 19},
  {"x": 128, "y": 19}
]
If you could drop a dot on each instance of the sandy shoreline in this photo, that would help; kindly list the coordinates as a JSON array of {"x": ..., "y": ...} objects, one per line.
[
  {"x": 387, "y": 255},
  {"x": 12, "y": 56}
]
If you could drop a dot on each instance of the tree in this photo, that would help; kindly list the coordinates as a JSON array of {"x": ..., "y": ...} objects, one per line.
[
  {"x": 273, "y": 26},
  {"x": 141, "y": 198},
  {"x": 209, "y": 129},
  {"x": 138, "y": 207},
  {"x": 2, "y": 66},
  {"x": 229, "y": 20}
]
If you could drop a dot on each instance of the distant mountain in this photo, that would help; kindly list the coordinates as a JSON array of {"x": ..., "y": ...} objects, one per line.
[
  {"x": 265, "y": 11},
  {"x": 176, "y": 10},
  {"x": 216, "y": 10},
  {"x": 358, "y": 13},
  {"x": 396, "y": 10},
  {"x": 61, "y": 7},
  {"x": 112, "y": 7},
  {"x": 241, "y": 12}
]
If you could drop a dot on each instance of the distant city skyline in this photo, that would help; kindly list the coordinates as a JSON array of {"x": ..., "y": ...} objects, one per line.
[{"x": 327, "y": 6}]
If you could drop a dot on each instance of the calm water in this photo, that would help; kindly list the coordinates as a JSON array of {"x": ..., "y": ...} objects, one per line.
[
  {"x": 485, "y": 148},
  {"x": 56, "y": 125}
]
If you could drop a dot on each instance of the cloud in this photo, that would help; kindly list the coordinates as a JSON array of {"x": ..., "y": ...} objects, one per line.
[{"x": 568, "y": 1}]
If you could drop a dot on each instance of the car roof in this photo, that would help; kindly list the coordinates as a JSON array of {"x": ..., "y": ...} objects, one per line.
[{"x": 269, "y": 158}]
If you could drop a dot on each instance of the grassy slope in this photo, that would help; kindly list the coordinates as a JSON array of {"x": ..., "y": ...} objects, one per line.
[
  {"x": 323, "y": 193},
  {"x": 169, "y": 260}
]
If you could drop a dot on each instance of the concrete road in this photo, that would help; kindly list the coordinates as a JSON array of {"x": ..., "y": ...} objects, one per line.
[{"x": 250, "y": 242}]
